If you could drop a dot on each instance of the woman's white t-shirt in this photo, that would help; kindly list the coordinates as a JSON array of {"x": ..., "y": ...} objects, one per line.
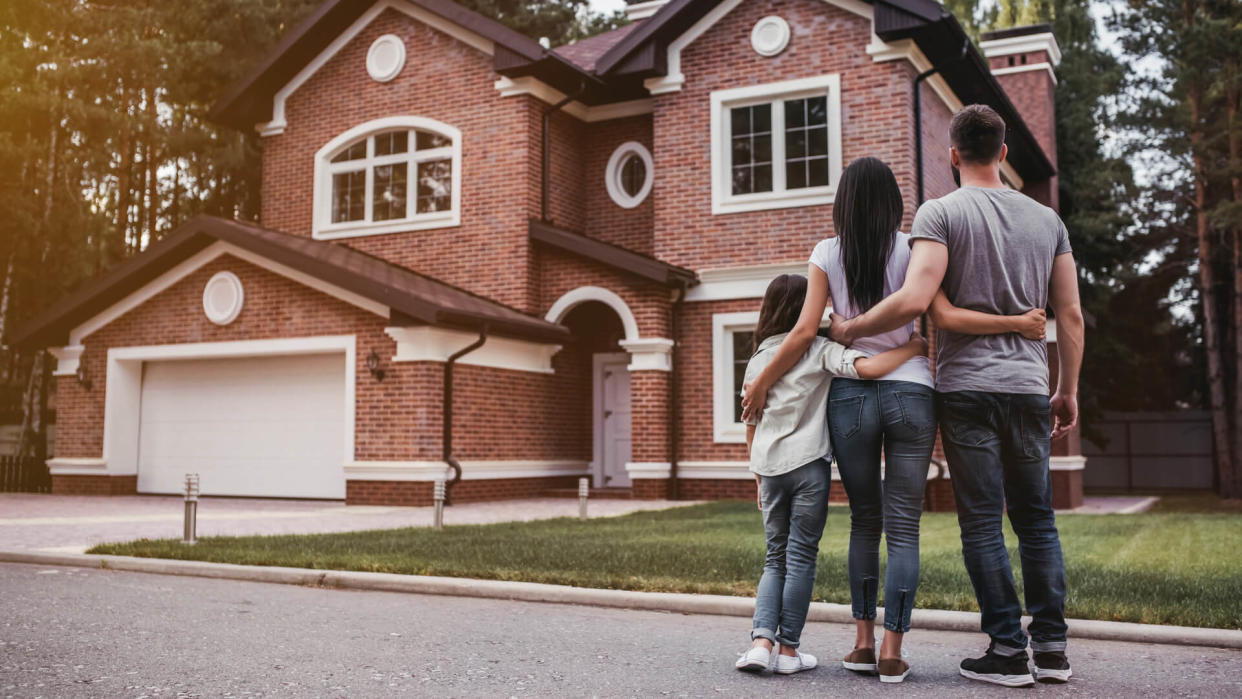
[{"x": 827, "y": 256}]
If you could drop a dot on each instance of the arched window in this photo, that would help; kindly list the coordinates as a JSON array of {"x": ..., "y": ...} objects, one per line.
[{"x": 387, "y": 176}]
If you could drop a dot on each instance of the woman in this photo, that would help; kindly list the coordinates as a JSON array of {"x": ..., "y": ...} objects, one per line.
[{"x": 893, "y": 415}]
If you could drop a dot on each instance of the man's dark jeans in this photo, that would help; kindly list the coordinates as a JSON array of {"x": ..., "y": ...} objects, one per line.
[{"x": 998, "y": 447}]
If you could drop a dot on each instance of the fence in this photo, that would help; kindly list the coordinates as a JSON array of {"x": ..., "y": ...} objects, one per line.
[
  {"x": 1152, "y": 451},
  {"x": 24, "y": 474}
]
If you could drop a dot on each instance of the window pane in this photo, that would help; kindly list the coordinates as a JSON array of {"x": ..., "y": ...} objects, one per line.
[
  {"x": 633, "y": 175},
  {"x": 795, "y": 144},
  {"x": 426, "y": 139},
  {"x": 816, "y": 111},
  {"x": 742, "y": 347},
  {"x": 391, "y": 142},
  {"x": 795, "y": 174},
  {"x": 818, "y": 172},
  {"x": 751, "y": 148},
  {"x": 763, "y": 178},
  {"x": 357, "y": 151},
  {"x": 348, "y": 195},
  {"x": 817, "y": 141},
  {"x": 795, "y": 113},
  {"x": 435, "y": 186},
  {"x": 389, "y": 186}
]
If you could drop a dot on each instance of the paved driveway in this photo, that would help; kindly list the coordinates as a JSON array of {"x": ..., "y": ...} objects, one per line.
[
  {"x": 74, "y": 523},
  {"x": 68, "y": 632}
]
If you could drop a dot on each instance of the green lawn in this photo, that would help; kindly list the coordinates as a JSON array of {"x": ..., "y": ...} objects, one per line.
[{"x": 1174, "y": 568}]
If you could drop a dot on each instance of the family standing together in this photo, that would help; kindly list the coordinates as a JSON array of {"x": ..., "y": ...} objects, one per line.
[{"x": 984, "y": 262}]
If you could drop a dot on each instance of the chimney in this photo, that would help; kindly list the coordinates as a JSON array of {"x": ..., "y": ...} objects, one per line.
[{"x": 1023, "y": 60}]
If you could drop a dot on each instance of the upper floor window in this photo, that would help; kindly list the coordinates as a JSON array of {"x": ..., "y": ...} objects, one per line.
[
  {"x": 776, "y": 145},
  {"x": 386, "y": 176}
]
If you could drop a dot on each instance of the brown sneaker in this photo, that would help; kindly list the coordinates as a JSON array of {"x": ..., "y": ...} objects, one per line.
[
  {"x": 860, "y": 660},
  {"x": 893, "y": 669}
]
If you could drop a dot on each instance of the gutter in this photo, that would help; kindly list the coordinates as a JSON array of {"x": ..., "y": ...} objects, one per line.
[
  {"x": 547, "y": 151},
  {"x": 447, "y": 412},
  {"x": 674, "y": 412}
]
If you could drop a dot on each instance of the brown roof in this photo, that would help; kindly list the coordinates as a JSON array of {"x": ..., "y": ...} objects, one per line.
[
  {"x": 614, "y": 256},
  {"x": 412, "y": 297},
  {"x": 585, "y": 52}
]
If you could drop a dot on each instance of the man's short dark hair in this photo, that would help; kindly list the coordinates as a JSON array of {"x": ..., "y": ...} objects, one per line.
[{"x": 977, "y": 132}]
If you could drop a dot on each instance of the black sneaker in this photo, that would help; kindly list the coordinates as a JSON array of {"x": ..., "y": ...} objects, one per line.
[
  {"x": 1005, "y": 670},
  {"x": 1052, "y": 667}
]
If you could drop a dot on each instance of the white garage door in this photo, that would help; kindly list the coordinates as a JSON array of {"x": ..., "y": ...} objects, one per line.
[{"x": 271, "y": 426}]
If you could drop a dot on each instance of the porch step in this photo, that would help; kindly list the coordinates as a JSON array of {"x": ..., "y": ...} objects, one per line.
[{"x": 594, "y": 494}]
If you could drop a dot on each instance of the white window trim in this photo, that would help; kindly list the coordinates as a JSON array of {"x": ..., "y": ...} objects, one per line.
[
  {"x": 612, "y": 174},
  {"x": 325, "y": 229},
  {"x": 723, "y": 199},
  {"x": 725, "y": 429}
]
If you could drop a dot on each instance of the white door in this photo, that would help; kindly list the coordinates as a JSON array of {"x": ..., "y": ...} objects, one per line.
[
  {"x": 612, "y": 432},
  {"x": 260, "y": 426}
]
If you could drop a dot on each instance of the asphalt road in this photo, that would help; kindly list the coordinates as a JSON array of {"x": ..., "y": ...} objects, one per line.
[{"x": 68, "y": 632}]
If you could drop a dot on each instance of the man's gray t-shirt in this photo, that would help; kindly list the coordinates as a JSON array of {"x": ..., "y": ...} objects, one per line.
[{"x": 1001, "y": 246}]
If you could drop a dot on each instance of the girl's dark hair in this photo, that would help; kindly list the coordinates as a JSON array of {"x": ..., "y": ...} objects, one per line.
[
  {"x": 866, "y": 213},
  {"x": 782, "y": 304}
]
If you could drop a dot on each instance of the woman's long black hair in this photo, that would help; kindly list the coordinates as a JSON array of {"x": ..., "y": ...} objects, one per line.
[
  {"x": 782, "y": 304},
  {"x": 866, "y": 212}
]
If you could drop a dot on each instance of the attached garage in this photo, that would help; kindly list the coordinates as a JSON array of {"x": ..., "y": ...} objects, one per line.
[{"x": 256, "y": 426}]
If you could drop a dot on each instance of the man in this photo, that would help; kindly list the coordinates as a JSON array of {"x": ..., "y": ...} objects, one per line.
[{"x": 995, "y": 250}]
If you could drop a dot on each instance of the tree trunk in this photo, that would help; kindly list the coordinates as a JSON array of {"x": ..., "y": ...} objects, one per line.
[
  {"x": 1235, "y": 180},
  {"x": 153, "y": 198},
  {"x": 1207, "y": 284},
  {"x": 120, "y": 242}
]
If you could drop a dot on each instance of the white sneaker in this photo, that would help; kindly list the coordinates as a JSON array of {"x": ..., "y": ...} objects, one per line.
[
  {"x": 754, "y": 660},
  {"x": 789, "y": 664}
]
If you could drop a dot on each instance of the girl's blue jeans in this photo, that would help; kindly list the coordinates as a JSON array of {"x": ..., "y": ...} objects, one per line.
[
  {"x": 898, "y": 418},
  {"x": 795, "y": 508}
]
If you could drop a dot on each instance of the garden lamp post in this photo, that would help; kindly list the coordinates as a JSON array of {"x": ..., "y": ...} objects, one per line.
[{"x": 191, "y": 509}]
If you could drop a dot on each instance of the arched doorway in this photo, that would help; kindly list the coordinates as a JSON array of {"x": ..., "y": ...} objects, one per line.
[{"x": 603, "y": 395}]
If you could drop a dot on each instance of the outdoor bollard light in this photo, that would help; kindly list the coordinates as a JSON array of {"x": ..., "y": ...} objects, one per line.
[
  {"x": 584, "y": 489},
  {"x": 438, "y": 497},
  {"x": 191, "y": 509}
]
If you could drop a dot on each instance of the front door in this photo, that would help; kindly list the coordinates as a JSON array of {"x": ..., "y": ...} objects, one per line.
[{"x": 612, "y": 420}]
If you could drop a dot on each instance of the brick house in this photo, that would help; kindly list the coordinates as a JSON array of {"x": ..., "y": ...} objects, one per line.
[{"x": 602, "y": 217}]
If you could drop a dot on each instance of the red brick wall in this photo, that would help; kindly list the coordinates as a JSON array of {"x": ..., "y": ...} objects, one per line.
[
  {"x": 560, "y": 273},
  {"x": 606, "y": 220},
  {"x": 94, "y": 485},
  {"x": 876, "y": 120},
  {"x": 397, "y": 419},
  {"x": 937, "y": 168},
  {"x": 446, "y": 80},
  {"x": 696, "y": 383}
]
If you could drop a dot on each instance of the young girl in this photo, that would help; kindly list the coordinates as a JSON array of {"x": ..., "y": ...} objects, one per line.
[{"x": 790, "y": 456}]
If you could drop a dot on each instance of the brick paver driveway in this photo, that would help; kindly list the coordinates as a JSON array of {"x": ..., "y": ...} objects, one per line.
[{"x": 74, "y": 523}]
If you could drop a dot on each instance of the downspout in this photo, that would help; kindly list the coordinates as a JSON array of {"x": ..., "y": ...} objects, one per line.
[
  {"x": 447, "y": 414},
  {"x": 674, "y": 411},
  {"x": 918, "y": 137},
  {"x": 546, "y": 155}
]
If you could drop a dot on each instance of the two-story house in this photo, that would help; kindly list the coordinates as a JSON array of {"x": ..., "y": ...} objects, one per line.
[{"x": 478, "y": 256}]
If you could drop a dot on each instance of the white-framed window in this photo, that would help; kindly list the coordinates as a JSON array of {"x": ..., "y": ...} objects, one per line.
[
  {"x": 387, "y": 176},
  {"x": 732, "y": 341},
  {"x": 629, "y": 174},
  {"x": 776, "y": 145}
]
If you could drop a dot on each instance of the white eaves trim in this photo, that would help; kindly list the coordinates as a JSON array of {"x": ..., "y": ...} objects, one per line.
[
  {"x": 749, "y": 282},
  {"x": 424, "y": 471},
  {"x": 77, "y": 466},
  {"x": 1023, "y": 44},
  {"x": 1029, "y": 67},
  {"x": 673, "y": 78},
  {"x": 527, "y": 85},
  {"x": 278, "y": 123},
  {"x": 643, "y": 10},
  {"x": 67, "y": 359},
  {"x": 193, "y": 263},
  {"x": 425, "y": 343},
  {"x": 640, "y": 470},
  {"x": 719, "y": 470}
]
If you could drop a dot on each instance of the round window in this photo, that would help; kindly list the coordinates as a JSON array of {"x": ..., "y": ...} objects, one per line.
[
  {"x": 222, "y": 298},
  {"x": 385, "y": 58},
  {"x": 629, "y": 174}
]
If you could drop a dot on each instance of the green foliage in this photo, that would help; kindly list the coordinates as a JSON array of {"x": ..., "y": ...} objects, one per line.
[
  {"x": 1161, "y": 569},
  {"x": 559, "y": 21}
]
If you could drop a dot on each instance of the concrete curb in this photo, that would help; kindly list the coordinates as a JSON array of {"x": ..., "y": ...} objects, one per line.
[{"x": 927, "y": 619}]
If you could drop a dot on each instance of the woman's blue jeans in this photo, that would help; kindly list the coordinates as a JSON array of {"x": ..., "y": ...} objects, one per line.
[
  {"x": 795, "y": 508},
  {"x": 897, "y": 418}
]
